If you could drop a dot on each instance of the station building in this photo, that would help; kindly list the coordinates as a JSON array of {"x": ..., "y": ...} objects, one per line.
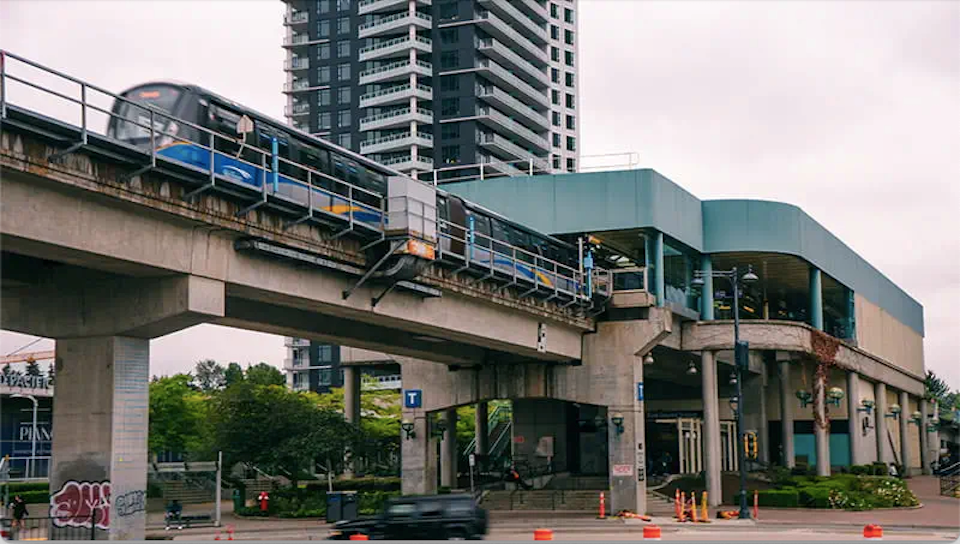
[{"x": 835, "y": 362}]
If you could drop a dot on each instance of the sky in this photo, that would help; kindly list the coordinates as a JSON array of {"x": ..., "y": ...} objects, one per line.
[{"x": 850, "y": 110}]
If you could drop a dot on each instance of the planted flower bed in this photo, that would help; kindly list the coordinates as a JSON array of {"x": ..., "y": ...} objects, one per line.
[{"x": 842, "y": 491}]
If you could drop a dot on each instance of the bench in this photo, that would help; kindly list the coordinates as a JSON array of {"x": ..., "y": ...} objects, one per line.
[{"x": 189, "y": 521}]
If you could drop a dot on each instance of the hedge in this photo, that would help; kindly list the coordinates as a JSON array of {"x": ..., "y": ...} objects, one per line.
[
  {"x": 33, "y": 497},
  {"x": 785, "y": 498},
  {"x": 20, "y": 487},
  {"x": 814, "y": 497},
  {"x": 357, "y": 484}
]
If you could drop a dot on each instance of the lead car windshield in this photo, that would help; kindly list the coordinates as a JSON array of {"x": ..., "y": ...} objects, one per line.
[{"x": 132, "y": 122}]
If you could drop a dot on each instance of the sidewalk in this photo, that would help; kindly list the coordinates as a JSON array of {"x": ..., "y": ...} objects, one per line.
[{"x": 937, "y": 512}]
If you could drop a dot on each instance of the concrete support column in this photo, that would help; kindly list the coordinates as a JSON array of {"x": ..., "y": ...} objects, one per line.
[
  {"x": 100, "y": 413},
  {"x": 905, "y": 453},
  {"x": 763, "y": 427},
  {"x": 857, "y": 455},
  {"x": 821, "y": 434},
  {"x": 482, "y": 429},
  {"x": 816, "y": 299},
  {"x": 627, "y": 449},
  {"x": 711, "y": 426},
  {"x": 884, "y": 454},
  {"x": 933, "y": 439},
  {"x": 786, "y": 416},
  {"x": 418, "y": 457},
  {"x": 448, "y": 450},
  {"x": 351, "y": 394},
  {"x": 924, "y": 443},
  {"x": 706, "y": 295},
  {"x": 351, "y": 408}
]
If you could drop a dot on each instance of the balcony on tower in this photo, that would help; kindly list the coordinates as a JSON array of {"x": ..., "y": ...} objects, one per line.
[
  {"x": 396, "y": 142},
  {"x": 396, "y": 71},
  {"x": 499, "y": 122},
  {"x": 510, "y": 82},
  {"x": 506, "y": 57},
  {"x": 380, "y": 6},
  {"x": 508, "y": 151},
  {"x": 296, "y": 40},
  {"x": 396, "y": 47},
  {"x": 398, "y": 118},
  {"x": 406, "y": 163},
  {"x": 297, "y": 63},
  {"x": 296, "y": 18},
  {"x": 503, "y": 101},
  {"x": 491, "y": 23},
  {"x": 297, "y": 108},
  {"x": 528, "y": 26},
  {"x": 392, "y": 24},
  {"x": 398, "y": 94}
]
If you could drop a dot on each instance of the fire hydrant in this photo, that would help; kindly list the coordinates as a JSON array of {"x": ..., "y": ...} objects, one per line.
[{"x": 264, "y": 497}]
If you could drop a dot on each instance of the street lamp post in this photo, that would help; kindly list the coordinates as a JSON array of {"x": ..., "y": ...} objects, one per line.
[
  {"x": 33, "y": 433},
  {"x": 740, "y": 354}
]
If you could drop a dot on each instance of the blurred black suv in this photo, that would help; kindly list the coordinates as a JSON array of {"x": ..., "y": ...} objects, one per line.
[{"x": 435, "y": 517}]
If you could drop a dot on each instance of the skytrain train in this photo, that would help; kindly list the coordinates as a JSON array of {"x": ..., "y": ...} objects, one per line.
[{"x": 249, "y": 147}]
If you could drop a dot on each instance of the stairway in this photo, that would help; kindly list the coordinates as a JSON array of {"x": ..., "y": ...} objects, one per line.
[
  {"x": 543, "y": 499},
  {"x": 659, "y": 505}
]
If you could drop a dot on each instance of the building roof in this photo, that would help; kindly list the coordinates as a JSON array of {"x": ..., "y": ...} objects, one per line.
[{"x": 643, "y": 198}]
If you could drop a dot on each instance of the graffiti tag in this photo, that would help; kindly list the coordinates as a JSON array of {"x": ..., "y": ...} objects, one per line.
[
  {"x": 76, "y": 504},
  {"x": 130, "y": 503}
]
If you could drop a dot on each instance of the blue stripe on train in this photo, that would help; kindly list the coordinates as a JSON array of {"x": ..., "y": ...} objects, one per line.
[{"x": 253, "y": 176}]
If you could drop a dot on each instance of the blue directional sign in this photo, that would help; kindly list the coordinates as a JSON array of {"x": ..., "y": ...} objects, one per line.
[
  {"x": 639, "y": 390},
  {"x": 412, "y": 398}
]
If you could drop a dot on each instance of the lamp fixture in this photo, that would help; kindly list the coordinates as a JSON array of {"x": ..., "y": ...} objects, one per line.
[
  {"x": 407, "y": 427},
  {"x": 691, "y": 369},
  {"x": 617, "y": 420},
  {"x": 804, "y": 396},
  {"x": 834, "y": 396},
  {"x": 648, "y": 360},
  {"x": 893, "y": 412},
  {"x": 866, "y": 405},
  {"x": 439, "y": 427}
]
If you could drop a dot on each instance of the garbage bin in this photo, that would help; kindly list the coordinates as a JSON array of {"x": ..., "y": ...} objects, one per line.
[
  {"x": 237, "y": 500},
  {"x": 341, "y": 505}
]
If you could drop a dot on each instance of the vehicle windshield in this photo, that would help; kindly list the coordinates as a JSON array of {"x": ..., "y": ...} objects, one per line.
[{"x": 162, "y": 97}]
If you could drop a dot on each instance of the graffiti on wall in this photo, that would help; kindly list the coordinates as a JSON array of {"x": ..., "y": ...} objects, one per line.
[
  {"x": 130, "y": 503},
  {"x": 77, "y": 504}
]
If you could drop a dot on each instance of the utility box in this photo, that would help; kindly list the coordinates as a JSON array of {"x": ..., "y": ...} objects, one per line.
[
  {"x": 411, "y": 209},
  {"x": 341, "y": 506}
]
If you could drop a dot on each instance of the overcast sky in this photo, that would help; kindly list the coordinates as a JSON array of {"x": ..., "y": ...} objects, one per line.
[{"x": 850, "y": 110}]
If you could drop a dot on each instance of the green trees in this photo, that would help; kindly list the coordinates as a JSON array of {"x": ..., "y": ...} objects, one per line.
[
  {"x": 263, "y": 374},
  {"x": 178, "y": 417}
]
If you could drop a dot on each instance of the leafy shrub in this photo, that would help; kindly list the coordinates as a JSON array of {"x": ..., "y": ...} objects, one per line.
[
  {"x": 780, "y": 476},
  {"x": 803, "y": 470},
  {"x": 814, "y": 497},
  {"x": 861, "y": 470},
  {"x": 250, "y": 512},
  {"x": 373, "y": 502},
  {"x": 358, "y": 484},
  {"x": 784, "y": 498}
]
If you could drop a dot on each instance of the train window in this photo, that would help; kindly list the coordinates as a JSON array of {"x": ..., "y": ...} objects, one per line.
[
  {"x": 442, "y": 212},
  {"x": 222, "y": 119},
  {"x": 481, "y": 225},
  {"x": 376, "y": 182}
]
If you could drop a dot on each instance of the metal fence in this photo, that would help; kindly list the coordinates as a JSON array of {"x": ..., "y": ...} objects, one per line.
[{"x": 76, "y": 527}]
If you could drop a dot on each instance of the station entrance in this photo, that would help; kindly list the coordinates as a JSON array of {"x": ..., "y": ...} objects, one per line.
[{"x": 675, "y": 445}]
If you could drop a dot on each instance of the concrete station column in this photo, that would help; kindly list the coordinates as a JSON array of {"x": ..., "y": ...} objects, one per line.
[
  {"x": 884, "y": 455},
  {"x": 816, "y": 299},
  {"x": 924, "y": 443},
  {"x": 448, "y": 451},
  {"x": 706, "y": 293},
  {"x": 905, "y": 453},
  {"x": 351, "y": 408},
  {"x": 351, "y": 394},
  {"x": 786, "y": 415},
  {"x": 418, "y": 456},
  {"x": 481, "y": 424},
  {"x": 711, "y": 426},
  {"x": 857, "y": 455},
  {"x": 100, "y": 414}
]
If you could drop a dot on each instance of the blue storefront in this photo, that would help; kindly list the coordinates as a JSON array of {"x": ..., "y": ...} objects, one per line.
[{"x": 17, "y": 438}]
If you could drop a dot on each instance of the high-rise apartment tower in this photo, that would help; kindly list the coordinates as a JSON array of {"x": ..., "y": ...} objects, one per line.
[{"x": 438, "y": 87}]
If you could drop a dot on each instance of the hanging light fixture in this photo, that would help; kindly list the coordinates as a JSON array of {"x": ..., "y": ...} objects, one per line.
[
  {"x": 648, "y": 360},
  {"x": 733, "y": 378},
  {"x": 691, "y": 369}
]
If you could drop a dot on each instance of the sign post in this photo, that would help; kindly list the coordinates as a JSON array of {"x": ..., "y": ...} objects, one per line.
[{"x": 473, "y": 463}]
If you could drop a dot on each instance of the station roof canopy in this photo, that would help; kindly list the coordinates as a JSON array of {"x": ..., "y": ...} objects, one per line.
[{"x": 618, "y": 206}]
